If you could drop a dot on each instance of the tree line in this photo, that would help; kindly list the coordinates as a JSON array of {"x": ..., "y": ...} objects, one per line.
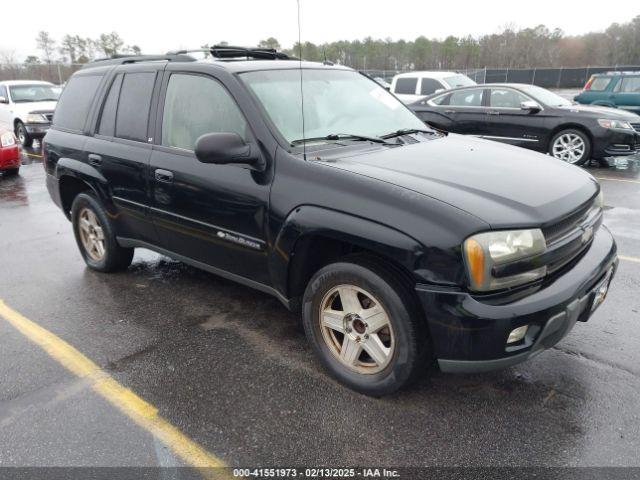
[{"x": 538, "y": 47}]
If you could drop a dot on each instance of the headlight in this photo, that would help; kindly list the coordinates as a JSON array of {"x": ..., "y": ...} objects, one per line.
[
  {"x": 484, "y": 251},
  {"x": 36, "y": 118},
  {"x": 619, "y": 124},
  {"x": 7, "y": 139}
]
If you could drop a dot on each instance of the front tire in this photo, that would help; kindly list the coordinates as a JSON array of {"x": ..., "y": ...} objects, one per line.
[
  {"x": 11, "y": 172},
  {"x": 95, "y": 236},
  {"x": 23, "y": 136},
  {"x": 364, "y": 324},
  {"x": 571, "y": 146}
]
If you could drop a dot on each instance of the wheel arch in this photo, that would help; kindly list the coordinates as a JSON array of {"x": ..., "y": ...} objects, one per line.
[
  {"x": 75, "y": 177},
  {"x": 311, "y": 237},
  {"x": 570, "y": 126}
]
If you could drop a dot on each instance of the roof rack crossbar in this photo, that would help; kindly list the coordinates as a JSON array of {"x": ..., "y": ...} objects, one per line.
[{"x": 230, "y": 51}]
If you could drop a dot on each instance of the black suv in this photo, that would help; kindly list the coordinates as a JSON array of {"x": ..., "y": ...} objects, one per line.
[{"x": 400, "y": 245}]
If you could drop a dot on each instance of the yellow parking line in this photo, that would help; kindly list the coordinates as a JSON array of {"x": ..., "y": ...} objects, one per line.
[
  {"x": 618, "y": 179},
  {"x": 32, "y": 155},
  {"x": 629, "y": 259},
  {"x": 141, "y": 412}
]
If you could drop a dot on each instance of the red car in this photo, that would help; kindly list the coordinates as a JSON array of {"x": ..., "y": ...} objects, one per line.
[{"x": 9, "y": 153}]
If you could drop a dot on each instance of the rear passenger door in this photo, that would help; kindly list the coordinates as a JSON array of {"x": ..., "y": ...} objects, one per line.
[
  {"x": 214, "y": 214},
  {"x": 121, "y": 148},
  {"x": 466, "y": 111}
]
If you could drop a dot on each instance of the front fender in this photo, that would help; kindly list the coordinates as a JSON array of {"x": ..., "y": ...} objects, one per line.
[{"x": 311, "y": 220}]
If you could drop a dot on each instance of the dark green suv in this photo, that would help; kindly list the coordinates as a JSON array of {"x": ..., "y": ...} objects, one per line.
[{"x": 613, "y": 89}]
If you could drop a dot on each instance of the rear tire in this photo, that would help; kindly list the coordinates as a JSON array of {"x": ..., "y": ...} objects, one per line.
[
  {"x": 364, "y": 324},
  {"x": 23, "y": 136},
  {"x": 95, "y": 236},
  {"x": 571, "y": 146},
  {"x": 11, "y": 172}
]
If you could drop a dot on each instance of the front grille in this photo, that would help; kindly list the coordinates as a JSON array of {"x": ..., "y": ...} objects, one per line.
[
  {"x": 566, "y": 225},
  {"x": 567, "y": 239},
  {"x": 636, "y": 127}
]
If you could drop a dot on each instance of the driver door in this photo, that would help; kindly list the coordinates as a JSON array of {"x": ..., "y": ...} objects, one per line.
[{"x": 214, "y": 214}]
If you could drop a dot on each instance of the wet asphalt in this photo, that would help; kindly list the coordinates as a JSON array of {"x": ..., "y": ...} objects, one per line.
[{"x": 230, "y": 367}]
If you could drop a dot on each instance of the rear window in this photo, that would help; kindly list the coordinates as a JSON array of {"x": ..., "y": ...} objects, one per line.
[
  {"x": 600, "y": 83},
  {"x": 406, "y": 86},
  {"x": 132, "y": 118},
  {"x": 75, "y": 102}
]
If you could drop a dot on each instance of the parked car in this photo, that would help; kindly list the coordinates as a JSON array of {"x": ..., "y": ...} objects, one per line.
[
  {"x": 412, "y": 86},
  {"x": 400, "y": 246},
  {"x": 26, "y": 108},
  {"x": 533, "y": 117},
  {"x": 613, "y": 89},
  {"x": 9, "y": 153}
]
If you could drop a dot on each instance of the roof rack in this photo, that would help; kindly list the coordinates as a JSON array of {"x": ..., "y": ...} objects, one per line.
[
  {"x": 124, "y": 59},
  {"x": 227, "y": 51}
]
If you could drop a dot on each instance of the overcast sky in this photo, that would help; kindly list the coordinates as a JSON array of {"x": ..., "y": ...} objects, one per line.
[{"x": 161, "y": 26}]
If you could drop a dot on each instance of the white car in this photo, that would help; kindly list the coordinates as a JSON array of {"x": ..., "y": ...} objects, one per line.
[
  {"x": 26, "y": 108},
  {"x": 411, "y": 87}
]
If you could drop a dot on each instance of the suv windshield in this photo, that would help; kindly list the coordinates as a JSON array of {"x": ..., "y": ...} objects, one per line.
[
  {"x": 34, "y": 93},
  {"x": 545, "y": 96},
  {"x": 335, "y": 102}
]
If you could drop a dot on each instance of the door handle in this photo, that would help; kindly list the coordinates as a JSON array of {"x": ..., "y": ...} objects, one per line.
[
  {"x": 449, "y": 111},
  {"x": 164, "y": 176},
  {"x": 95, "y": 159},
  {"x": 493, "y": 112}
]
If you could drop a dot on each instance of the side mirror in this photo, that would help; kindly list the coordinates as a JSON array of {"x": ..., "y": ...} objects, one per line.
[
  {"x": 227, "y": 148},
  {"x": 530, "y": 106},
  {"x": 4, "y": 100}
]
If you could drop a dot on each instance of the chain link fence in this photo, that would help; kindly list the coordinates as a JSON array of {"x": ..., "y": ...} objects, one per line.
[
  {"x": 57, "y": 73},
  {"x": 569, "y": 77}
]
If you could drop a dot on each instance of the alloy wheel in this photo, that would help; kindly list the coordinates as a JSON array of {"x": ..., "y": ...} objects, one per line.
[
  {"x": 357, "y": 329},
  {"x": 569, "y": 148},
  {"x": 91, "y": 234}
]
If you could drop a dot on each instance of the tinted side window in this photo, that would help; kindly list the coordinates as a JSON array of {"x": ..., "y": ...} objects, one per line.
[
  {"x": 406, "y": 86},
  {"x": 195, "y": 105},
  {"x": 429, "y": 86},
  {"x": 132, "y": 118},
  {"x": 506, "y": 98},
  {"x": 3, "y": 92},
  {"x": 599, "y": 84},
  {"x": 108, "y": 117},
  {"x": 466, "y": 98},
  {"x": 75, "y": 102},
  {"x": 630, "y": 85}
]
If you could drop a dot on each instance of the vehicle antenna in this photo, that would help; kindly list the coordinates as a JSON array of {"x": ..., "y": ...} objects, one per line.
[{"x": 304, "y": 141}]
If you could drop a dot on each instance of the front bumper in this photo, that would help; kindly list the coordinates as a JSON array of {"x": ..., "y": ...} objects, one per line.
[
  {"x": 616, "y": 143},
  {"x": 37, "y": 130},
  {"x": 470, "y": 335}
]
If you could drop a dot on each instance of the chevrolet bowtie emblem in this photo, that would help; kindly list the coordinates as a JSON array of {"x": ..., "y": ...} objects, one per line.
[{"x": 587, "y": 234}]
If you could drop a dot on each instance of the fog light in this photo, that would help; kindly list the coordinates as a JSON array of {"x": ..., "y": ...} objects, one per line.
[{"x": 517, "y": 334}]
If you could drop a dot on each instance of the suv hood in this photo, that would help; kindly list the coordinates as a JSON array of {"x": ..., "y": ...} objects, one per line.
[
  {"x": 504, "y": 186},
  {"x": 599, "y": 111}
]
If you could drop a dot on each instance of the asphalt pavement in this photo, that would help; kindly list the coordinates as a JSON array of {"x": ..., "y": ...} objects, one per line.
[{"x": 229, "y": 368}]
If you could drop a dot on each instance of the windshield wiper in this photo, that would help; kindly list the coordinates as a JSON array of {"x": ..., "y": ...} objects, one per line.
[
  {"x": 343, "y": 136},
  {"x": 47, "y": 100},
  {"x": 407, "y": 131}
]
